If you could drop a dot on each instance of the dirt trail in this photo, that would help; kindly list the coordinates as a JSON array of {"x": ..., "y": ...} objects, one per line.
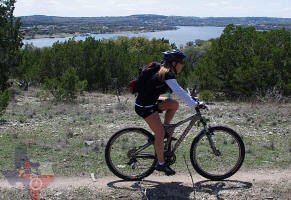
[
  {"x": 255, "y": 184},
  {"x": 107, "y": 183}
]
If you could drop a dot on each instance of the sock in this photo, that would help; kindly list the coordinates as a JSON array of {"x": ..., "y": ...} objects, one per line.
[{"x": 161, "y": 163}]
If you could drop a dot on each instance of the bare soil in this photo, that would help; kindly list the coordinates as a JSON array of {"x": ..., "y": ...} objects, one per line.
[{"x": 255, "y": 184}]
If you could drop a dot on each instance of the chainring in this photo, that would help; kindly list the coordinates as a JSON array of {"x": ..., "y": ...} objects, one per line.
[{"x": 170, "y": 159}]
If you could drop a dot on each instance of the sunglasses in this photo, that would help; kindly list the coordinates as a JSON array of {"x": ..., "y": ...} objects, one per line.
[{"x": 181, "y": 62}]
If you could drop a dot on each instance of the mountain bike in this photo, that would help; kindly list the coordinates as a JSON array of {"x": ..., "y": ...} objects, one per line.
[{"x": 216, "y": 153}]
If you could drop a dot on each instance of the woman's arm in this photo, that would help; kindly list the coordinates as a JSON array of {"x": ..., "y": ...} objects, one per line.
[{"x": 180, "y": 92}]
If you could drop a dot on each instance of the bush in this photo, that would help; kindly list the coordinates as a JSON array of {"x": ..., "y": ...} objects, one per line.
[
  {"x": 270, "y": 95},
  {"x": 67, "y": 88},
  {"x": 4, "y": 100},
  {"x": 244, "y": 60},
  {"x": 206, "y": 95}
]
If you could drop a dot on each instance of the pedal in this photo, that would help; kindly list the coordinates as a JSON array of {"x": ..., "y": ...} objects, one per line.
[{"x": 131, "y": 161}]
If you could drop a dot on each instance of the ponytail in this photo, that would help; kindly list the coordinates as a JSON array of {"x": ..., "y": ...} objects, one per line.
[{"x": 162, "y": 72}]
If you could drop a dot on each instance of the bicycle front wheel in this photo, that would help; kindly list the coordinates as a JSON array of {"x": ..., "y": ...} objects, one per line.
[
  {"x": 130, "y": 154},
  {"x": 223, "y": 159}
]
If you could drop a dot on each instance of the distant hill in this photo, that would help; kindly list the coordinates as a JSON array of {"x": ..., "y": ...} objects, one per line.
[
  {"x": 38, "y": 26},
  {"x": 150, "y": 19}
]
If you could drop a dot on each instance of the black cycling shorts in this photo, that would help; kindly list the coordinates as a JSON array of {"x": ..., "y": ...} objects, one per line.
[{"x": 145, "y": 112}]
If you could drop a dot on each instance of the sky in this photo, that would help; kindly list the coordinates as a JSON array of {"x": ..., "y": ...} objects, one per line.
[{"x": 197, "y": 8}]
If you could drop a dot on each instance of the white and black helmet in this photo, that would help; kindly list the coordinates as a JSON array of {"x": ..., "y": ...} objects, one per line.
[{"x": 173, "y": 55}]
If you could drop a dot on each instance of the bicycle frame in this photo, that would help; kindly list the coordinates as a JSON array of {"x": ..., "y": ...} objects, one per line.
[{"x": 170, "y": 129}]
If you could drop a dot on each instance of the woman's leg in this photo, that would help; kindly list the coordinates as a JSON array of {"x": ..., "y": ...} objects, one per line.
[
  {"x": 154, "y": 122},
  {"x": 170, "y": 106}
]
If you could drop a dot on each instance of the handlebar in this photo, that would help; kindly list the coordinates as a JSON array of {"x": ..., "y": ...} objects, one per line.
[{"x": 201, "y": 104}]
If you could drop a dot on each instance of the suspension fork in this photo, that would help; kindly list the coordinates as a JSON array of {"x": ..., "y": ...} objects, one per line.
[{"x": 209, "y": 137}]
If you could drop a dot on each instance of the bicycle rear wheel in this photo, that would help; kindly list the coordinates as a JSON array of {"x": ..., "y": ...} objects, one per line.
[
  {"x": 130, "y": 154},
  {"x": 226, "y": 161}
]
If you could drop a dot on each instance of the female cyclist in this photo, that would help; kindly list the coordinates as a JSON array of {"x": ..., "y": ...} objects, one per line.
[{"x": 149, "y": 103}]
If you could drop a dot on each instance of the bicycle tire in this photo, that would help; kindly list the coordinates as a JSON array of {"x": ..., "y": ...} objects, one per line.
[
  {"x": 131, "y": 138},
  {"x": 228, "y": 142}
]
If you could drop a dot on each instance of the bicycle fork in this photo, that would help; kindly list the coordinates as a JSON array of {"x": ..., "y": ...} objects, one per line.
[{"x": 210, "y": 140}]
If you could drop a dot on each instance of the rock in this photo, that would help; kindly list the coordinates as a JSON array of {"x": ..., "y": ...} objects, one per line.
[
  {"x": 58, "y": 194},
  {"x": 88, "y": 143},
  {"x": 76, "y": 134},
  {"x": 71, "y": 134},
  {"x": 93, "y": 177}
]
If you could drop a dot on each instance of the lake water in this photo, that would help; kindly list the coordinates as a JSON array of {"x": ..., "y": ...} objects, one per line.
[{"x": 180, "y": 36}]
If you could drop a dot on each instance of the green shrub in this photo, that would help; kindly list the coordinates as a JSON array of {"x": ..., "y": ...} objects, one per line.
[
  {"x": 4, "y": 100},
  {"x": 67, "y": 87},
  {"x": 206, "y": 95},
  {"x": 243, "y": 60}
]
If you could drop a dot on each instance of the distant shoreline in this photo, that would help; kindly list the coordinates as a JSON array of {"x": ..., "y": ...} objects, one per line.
[
  {"x": 180, "y": 36},
  {"x": 41, "y": 26},
  {"x": 60, "y": 35},
  {"x": 65, "y": 35}
]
